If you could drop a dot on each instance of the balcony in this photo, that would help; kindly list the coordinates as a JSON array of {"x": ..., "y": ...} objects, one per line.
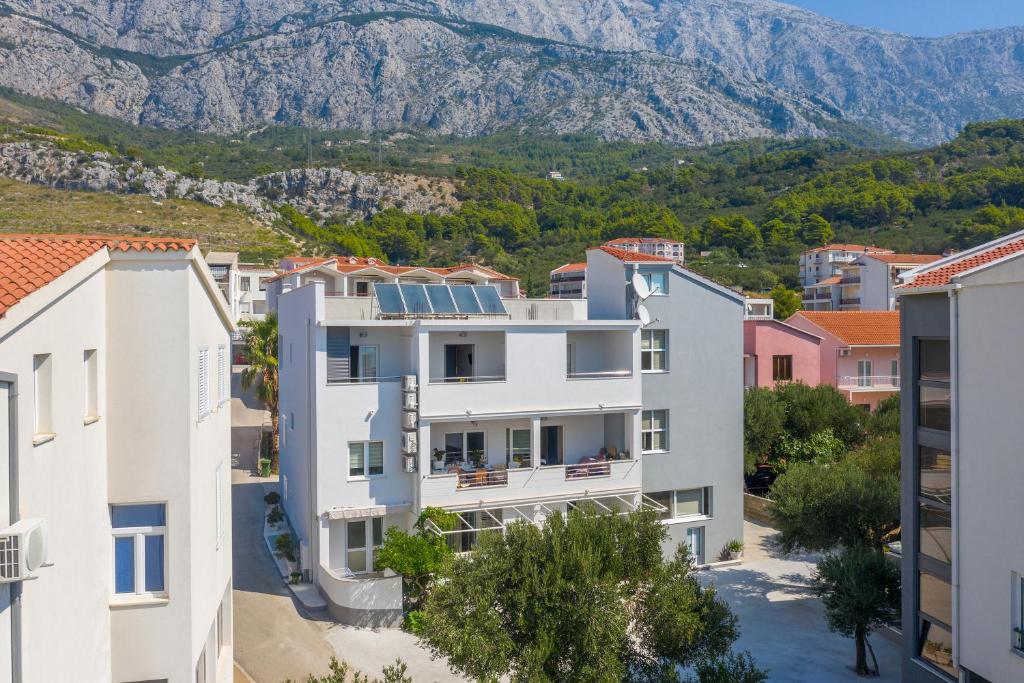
[
  {"x": 850, "y": 280},
  {"x": 850, "y": 302},
  {"x": 870, "y": 382}
]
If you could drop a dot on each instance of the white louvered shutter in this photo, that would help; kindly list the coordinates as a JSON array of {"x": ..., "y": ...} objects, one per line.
[
  {"x": 222, "y": 374},
  {"x": 204, "y": 382}
]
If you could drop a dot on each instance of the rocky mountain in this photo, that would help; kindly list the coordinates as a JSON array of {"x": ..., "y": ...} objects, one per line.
[
  {"x": 687, "y": 71},
  {"x": 323, "y": 192}
]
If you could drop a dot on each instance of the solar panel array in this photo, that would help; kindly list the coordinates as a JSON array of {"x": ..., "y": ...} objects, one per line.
[{"x": 440, "y": 300}]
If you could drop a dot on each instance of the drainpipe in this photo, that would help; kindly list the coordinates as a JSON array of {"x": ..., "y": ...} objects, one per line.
[
  {"x": 12, "y": 453},
  {"x": 954, "y": 447}
]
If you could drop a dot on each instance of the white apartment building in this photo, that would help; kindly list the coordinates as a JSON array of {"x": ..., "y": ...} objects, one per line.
[
  {"x": 868, "y": 284},
  {"x": 115, "y": 437},
  {"x": 962, "y": 471},
  {"x": 652, "y": 246},
  {"x": 821, "y": 270},
  {"x": 252, "y": 290},
  {"x": 223, "y": 266},
  {"x": 502, "y": 409},
  {"x": 569, "y": 281},
  {"x": 356, "y": 276}
]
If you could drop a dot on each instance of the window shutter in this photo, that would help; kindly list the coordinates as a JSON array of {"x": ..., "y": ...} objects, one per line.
[
  {"x": 376, "y": 457},
  {"x": 222, "y": 374},
  {"x": 204, "y": 382},
  {"x": 338, "y": 360},
  {"x": 355, "y": 460}
]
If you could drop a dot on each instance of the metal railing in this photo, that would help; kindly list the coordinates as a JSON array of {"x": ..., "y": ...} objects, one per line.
[
  {"x": 480, "y": 478},
  {"x": 585, "y": 470},
  {"x": 852, "y": 280},
  {"x": 363, "y": 380},
  {"x": 850, "y": 302},
  {"x": 861, "y": 381},
  {"x": 467, "y": 380},
  {"x": 603, "y": 374},
  {"x": 1018, "y": 639}
]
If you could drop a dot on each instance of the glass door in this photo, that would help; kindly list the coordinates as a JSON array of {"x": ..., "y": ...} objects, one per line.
[{"x": 864, "y": 373}]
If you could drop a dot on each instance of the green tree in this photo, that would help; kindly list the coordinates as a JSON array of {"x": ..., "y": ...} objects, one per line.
[
  {"x": 261, "y": 373},
  {"x": 860, "y": 588},
  {"x": 739, "y": 668},
  {"x": 763, "y": 419},
  {"x": 810, "y": 410},
  {"x": 815, "y": 231},
  {"x": 886, "y": 418},
  {"x": 787, "y": 301},
  {"x": 339, "y": 673},
  {"x": 417, "y": 556},
  {"x": 584, "y": 598}
]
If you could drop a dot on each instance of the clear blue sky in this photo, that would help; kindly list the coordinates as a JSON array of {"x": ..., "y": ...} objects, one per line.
[{"x": 921, "y": 17}]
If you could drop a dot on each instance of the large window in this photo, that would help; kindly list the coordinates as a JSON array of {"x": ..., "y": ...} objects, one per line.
[
  {"x": 683, "y": 503},
  {"x": 654, "y": 431},
  {"x": 461, "y": 447},
  {"x": 934, "y": 410},
  {"x": 362, "y": 538},
  {"x": 139, "y": 534},
  {"x": 517, "y": 447},
  {"x": 933, "y": 474},
  {"x": 654, "y": 350},
  {"x": 363, "y": 361},
  {"x": 864, "y": 377},
  {"x": 365, "y": 458},
  {"x": 782, "y": 368}
]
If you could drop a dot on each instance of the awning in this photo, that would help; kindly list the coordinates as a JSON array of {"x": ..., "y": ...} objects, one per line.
[{"x": 368, "y": 511}]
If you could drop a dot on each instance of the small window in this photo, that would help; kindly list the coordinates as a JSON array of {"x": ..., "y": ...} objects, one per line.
[
  {"x": 654, "y": 430},
  {"x": 517, "y": 447},
  {"x": 91, "y": 384},
  {"x": 224, "y": 621},
  {"x": 204, "y": 382},
  {"x": 42, "y": 381},
  {"x": 654, "y": 350},
  {"x": 934, "y": 408},
  {"x": 657, "y": 281},
  {"x": 363, "y": 360},
  {"x": 263, "y": 284},
  {"x": 140, "y": 563},
  {"x": 365, "y": 458},
  {"x": 245, "y": 284},
  {"x": 782, "y": 368},
  {"x": 933, "y": 356},
  {"x": 936, "y": 647}
]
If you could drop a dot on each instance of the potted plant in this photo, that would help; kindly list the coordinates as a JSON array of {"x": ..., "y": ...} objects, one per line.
[
  {"x": 264, "y": 467},
  {"x": 438, "y": 456},
  {"x": 476, "y": 457},
  {"x": 275, "y": 517},
  {"x": 734, "y": 549}
]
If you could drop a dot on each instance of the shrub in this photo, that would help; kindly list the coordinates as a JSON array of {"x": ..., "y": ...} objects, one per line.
[
  {"x": 283, "y": 544},
  {"x": 413, "y": 622},
  {"x": 272, "y": 498},
  {"x": 734, "y": 546},
  {"x": 275, "y": 516}
]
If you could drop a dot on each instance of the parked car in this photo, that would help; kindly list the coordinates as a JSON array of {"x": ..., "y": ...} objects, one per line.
[{"x": 759, "y": 482}]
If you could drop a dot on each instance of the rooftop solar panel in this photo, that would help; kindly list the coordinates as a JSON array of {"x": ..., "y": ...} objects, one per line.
[
  {"x": 416, "y": 301},
  {"x": 489, "y": 299},
  {"x": 388, "y": 299},
  {"x": 465, "y": 299},
  {"x": 441, "y": 299}
]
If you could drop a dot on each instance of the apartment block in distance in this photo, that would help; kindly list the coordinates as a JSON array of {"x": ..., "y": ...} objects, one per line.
[
  {"x": 674, "y": 250},
  {"x": 569, "y": 281},
  {"x": 115, "y": 524},
  {"x": 821, "y": 272},
  {"x": 428, "y": 394},
  {"x": 962, "y": 471}
]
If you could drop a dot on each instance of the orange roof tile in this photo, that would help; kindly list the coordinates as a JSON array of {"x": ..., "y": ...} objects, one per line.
[
  {"x": 570, "y": 268},
  {"x": 30, "y": 262},
  {"x": 632, "y": 256},
  {"x": 857, "y": 328},
  {"x": 943, "y": 274},
  {"x": 834, "y": 280},
  {"x": 915, "y": 259}
]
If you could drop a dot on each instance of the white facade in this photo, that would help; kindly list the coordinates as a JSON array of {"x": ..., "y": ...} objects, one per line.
[
  {"x": 252, "y": 290},
  {"x": 104, "y": 383},
  {"x": 547, "y": 402}
]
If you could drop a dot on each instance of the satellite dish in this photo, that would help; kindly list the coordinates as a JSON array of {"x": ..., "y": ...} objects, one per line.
[
  {"x": 640, "y": 286},
  {"x": 643, "y": 315}
]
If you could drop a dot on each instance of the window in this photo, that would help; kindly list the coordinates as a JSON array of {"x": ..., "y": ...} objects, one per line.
[
  {"x": 933, "y": 357},
  {"x": 364, "y": 362},
  {"x": 695, "y": 543},
  {"x": 936, "y": 597},
  {"x": 224, "y": 620},
  {"x": 204, "y": 382},
  {"x": 864, "y": 378},
  {"x": 92, "y": 408},
  {"x": 936, "y": 647},
  {"x": 894, "y": 372},
  {"x": 1018, "y": 631},
  {"x": 933, "y": 474},
  {"x": 570, "y": 359},
  {"x": 222, "y": 373},
  {"x": 654, "y": 430},
  {"x": 654, "y": 350},
  {"x": 263, "y": 284},
  {"x": 517, "y": 447},
  {"x": 935, "y": 535},
  {"x": 934, "y": 412},
  {"x": 464, "y": 447},
  {"x": 359, "y": 556},
  {"x": 218, "y": 502},
  {"x": 365, "y": 458},
  {"x": 139, "y": 533},
  {"x": 782, "y": 368},
  {"x": 683, "y": 503},
  {"x": 42, "y": 382},
  {"x": 657, "y": 281}
]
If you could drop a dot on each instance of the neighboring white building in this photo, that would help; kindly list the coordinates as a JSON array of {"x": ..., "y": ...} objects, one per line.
[
  {"x": 652, "y": 246},
  {"x": 252, "y": 290},
  {"x": 115, "y": 433},
  {"x": 224, "y": 268},
  {"x": 821, "y": 269},
  {"x": 569, "y": 281},
  {"x": 962, "y": 470},
  {"x": 868, "y": 283}
]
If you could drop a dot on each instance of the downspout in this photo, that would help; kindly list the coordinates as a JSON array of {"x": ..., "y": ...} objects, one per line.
[
  {"x": 12, "y": 453},
  {"x": 954, "y": 447}
]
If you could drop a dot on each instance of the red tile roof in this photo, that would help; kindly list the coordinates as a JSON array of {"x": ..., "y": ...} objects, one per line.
[
  {"x": 834, "y": 280},
  {"x": 570, "y": 268},
  {"x": 856, "y": 328},
  {"x": 915, "y": 259},
  {"x": 633, "y": 256},
  {"x": 943, "y": 274},
  {"x": 30, "y": 262}
]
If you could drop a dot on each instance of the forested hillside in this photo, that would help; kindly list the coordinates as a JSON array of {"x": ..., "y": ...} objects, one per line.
[{"x": 753, "y": 205}]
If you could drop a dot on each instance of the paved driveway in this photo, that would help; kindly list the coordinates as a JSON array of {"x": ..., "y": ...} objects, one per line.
[{"x": 783, "y": 625}]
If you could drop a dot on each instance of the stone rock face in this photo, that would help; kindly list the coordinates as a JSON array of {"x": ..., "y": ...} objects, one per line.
[
  {"x": 685, "y": 71},
  {"x": 325, "y": 193}
]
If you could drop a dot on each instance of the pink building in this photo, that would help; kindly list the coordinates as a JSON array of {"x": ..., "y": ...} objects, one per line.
[
  {"x": 859, "y": 351},
  {"x": 774, "y": 351}
]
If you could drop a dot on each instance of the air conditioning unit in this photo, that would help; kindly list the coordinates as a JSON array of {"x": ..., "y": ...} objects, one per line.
[
  {"x": 410, "y": 401},
  {"x": 410, "y": 463},
  {"x": 410, "y": 443},
  {"x": 844, "y": 353},
  {"x": 408, "y": 382},
  {"x": 22, "y": 550},
  {"x": 408, "y": 420}
]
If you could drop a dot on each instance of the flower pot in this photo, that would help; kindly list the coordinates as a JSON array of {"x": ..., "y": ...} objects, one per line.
[{"x": 735, "y": 554}]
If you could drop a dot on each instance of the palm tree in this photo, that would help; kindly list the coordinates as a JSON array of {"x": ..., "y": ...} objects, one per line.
[{"x": 261, "y": 343}]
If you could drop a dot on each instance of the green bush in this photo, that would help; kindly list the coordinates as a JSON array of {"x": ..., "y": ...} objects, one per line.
[
  {"x": 413, "y": 622},
  {"x": 272, "y": 498},
  {"x": 275, "y": 515},
  {"x": 285, "y": 546}
]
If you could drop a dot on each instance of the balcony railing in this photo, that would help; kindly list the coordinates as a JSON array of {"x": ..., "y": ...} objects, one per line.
[
  {"x": 850, "y": 302},
  {"x": 362, "y": 380},
  {"x": 479, "y": 478},
  {"x": 870, "y": 381},
  {"x": 467, "y": 380},
  {"x": 585, "y": 470},
  {"x": 851, "y": 280},
  {"x": 603, "y": 374}
]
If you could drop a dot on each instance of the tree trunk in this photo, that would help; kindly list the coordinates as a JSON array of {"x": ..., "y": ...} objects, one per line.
[
  {"x": 861, "y": 667},
  {"x": 275, "y": 445}
]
